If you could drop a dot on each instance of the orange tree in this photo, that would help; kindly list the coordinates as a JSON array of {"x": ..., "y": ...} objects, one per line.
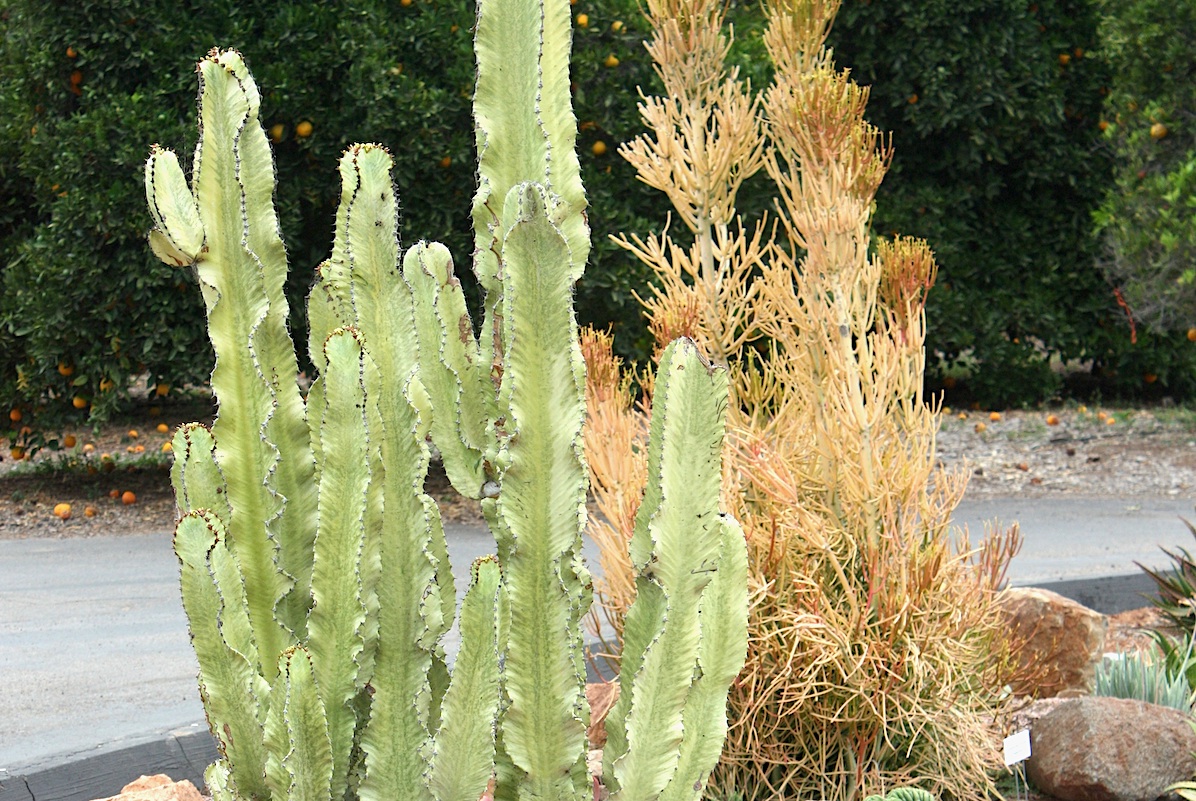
[
  {"x": 81, "y": 291},
  {"x": 86, "y": 313},
  {"x": 1146, "y": 217},
  {"x": 994, "y": 107}
]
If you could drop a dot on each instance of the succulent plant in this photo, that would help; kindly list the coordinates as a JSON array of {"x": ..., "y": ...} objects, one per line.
[{"x": 314, "y": 568}]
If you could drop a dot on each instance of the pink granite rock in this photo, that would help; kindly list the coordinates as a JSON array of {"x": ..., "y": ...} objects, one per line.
[
  {"x": 1110, "y": 749},
  {"x": 159, "y": 787},
  {"x": 1062, "y": 642}
]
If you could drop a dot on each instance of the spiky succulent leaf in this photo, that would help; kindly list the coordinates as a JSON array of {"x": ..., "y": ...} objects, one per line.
[
  {"x": 338, "y": 617},
  {"x": 458, "y": 386},
  {"x": 542, "y": 503},
  {"x": 721, "y": 654},
  {"x": 194, "y": 474},
  {"x": 462, "y": 760},
  {"x": 234, "y": 696},
  {"x": 300, "y": 767},
  {"x": 173, "y": 208},
  {"x": 676, "y": 548},
  {"x": 525, "y": 131},
  {"x": 218, "y": 781},
  {"x": 263, "y": 448}
]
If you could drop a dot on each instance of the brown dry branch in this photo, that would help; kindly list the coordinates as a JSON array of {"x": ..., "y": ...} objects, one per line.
[
  {"x": 615, "y": 436},
  {"x": 876, "y": 656}
]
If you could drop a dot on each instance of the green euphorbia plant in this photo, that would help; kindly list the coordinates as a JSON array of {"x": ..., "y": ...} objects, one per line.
[{"x": 315, "y": 572}]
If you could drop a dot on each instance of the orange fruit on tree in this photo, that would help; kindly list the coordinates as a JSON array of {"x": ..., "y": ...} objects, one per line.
[
  {"x": 128, "y": 498},
  {"x": 14, "y": 414},
  {"x": 69, "y": 441},
  {"x": 583, "y": 20},
  {"x": 66, "y": 370},
  {"x": 1158, "y": 130},
  {"x": 161, "y": 390},
  {"x": 167, "y": 447},
  {"x": 1103, "y": 125},
  {"x": 598, "y": 148},
  {"x": 446, "y": 162},
  {"x": 611, "y": 61},
  {"x": 617, "y": 26},
  {"x": 71, "y": 52},
  {"x": 1192, "y": 334},
  {"x": 107, "y": 385},
  {"x": 1064, "y": 59},
  {"x": 62, "y": 511},
  {"x": 303, "y": 129},
  {"x": 163, "y": 428},
  {"x": 277, "y": 131},
  {"x": 79, "y": 402},
  {"x": 1150, "y": 378}
]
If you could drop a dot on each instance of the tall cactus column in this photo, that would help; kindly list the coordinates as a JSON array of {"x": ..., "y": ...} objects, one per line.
[{"x": 314, "y": 568}]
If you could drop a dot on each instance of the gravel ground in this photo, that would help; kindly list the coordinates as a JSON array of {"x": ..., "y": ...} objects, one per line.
[
  {"x": 122, "y": 456},
  {"x": 1075, "y": 450},
  {"x": 1080, "y": 451}
]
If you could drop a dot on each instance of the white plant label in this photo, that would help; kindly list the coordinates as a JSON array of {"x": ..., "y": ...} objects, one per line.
[{"x": 1017, "y": 747}]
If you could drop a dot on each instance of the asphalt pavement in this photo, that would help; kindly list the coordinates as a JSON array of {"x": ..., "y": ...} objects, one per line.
[{"x": 95, "y": 655}]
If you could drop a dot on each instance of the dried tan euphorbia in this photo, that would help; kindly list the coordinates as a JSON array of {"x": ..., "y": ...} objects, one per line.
[{"x": 876, "y": 657}]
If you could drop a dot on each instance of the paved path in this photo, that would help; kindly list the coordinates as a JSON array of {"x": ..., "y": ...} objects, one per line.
[{"x": 94, "y": 652}]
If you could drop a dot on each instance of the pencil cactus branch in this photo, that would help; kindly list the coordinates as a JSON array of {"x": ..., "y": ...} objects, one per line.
[{"x": 314, "y": 567}]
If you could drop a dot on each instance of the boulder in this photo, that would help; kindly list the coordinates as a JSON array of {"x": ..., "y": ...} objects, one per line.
[
  {"x": 1110, "y": 749},
  {"x": 1061, "y": 642},
  {"x": 159, "y": 787}
]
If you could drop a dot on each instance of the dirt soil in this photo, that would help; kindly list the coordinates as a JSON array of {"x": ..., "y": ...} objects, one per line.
[
  {"x": 1073, "y": 451},
  {"x": 125, "y": 455}
]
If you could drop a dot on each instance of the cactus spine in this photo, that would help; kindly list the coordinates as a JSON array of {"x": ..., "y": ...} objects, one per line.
[{"x": 314, "y": 568}]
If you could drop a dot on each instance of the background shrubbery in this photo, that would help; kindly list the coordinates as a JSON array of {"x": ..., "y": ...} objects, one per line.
[
  {"x": 1148, "y": 216},
  {"x": 1000, "y": 163}
]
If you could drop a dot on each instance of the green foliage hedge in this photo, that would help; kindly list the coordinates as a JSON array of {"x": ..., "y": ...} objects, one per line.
[
  {"x": 994, "y": 167},
  {"x": 999, "y": 164},
  {"x": 89, "y": 86},
  {"x": 995, "y": 108},
  {"x": 1149, "y": 212}
]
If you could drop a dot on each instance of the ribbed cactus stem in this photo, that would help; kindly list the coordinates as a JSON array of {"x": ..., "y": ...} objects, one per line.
[
  {"x": 680, "y": 544},
  {"x": 314, "y": 568},
  {"x": 540, "y": 511}
]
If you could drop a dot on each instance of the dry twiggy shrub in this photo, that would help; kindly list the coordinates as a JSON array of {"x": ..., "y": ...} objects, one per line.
[{"x": 876, "y": 652}]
